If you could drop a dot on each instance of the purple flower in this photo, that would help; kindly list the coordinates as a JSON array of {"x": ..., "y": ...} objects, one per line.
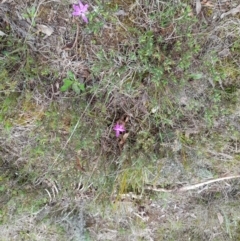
[
  {"x": 80, "y": 10},
  {"x": 119, "y": 128}
]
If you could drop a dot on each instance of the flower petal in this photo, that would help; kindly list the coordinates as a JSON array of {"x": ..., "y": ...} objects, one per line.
[
  {"x": 76, "y": 10},
  {"x": 85, "y": 8},
  {"x": 81, "y": 5},
  {"x": 76, "y": 7},
  {"x": 76, "y": 14},
  {"x": 84, "y": 18},
  {"x": 119, "y": 128}
]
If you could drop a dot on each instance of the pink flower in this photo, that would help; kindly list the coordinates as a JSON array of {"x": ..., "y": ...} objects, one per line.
[
  {"x": 80, "y": 10},
  {"x": 118, "y": 128}
]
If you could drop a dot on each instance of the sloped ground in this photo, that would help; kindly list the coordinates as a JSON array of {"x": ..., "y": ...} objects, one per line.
[{"x": 169, "y": 75}]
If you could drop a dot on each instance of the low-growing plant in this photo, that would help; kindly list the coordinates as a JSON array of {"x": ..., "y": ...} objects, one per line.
[
  {"x": 30, "y": 14},
  {"x": 70, "y": 82}
]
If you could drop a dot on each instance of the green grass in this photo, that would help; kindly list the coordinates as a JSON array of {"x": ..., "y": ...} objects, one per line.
[{"x": 155, "y": 66}]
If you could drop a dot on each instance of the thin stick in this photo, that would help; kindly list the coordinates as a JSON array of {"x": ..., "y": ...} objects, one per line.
[
  {"x": 71, "y": 135},
  {"x": 76, "y": 38}
]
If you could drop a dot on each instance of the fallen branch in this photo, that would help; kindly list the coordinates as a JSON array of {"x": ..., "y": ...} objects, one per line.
[{"x": 191, "y": 187}]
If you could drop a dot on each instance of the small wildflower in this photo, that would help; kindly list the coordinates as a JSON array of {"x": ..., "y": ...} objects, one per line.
[
  {"x": 80, "y": 10},
  {"x": 118, "y": 128}
]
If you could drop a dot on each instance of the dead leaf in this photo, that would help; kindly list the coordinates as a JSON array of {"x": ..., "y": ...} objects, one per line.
[
  {"x": 125, "y": 136},
  {"x": 154, "y": 109},
  {"x": 45, "y": 29},
  {"x": 85, "y": 73},
  {"x": 2, "y": 33},
  {"x": 126, "y": 119},
  {"x": 220, "y": 218},
  {"x": 123, "y": 140},
  {"x": 79, "y": 166},
  {"x": 232, "y": 12},
  {"x": 198, "y": 6},
  {"x": 208, "y": 4}
]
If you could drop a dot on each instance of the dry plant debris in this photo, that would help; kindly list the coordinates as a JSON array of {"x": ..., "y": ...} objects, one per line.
[{"x": 232, "y": 12}]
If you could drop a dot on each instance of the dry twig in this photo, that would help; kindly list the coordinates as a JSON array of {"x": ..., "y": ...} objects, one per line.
[{"x": 192, "y": 187}]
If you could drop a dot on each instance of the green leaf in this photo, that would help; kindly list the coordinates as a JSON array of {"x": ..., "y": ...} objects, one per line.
[
  {"x": 2, "y": 188},
  {"x": 81, "y": 86},
  {"x": 76, "y": 88},
  {"x": 196, "y": 76},
  {"x": 71, "y": 75},
  {"x": 67, "y": 84}
]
